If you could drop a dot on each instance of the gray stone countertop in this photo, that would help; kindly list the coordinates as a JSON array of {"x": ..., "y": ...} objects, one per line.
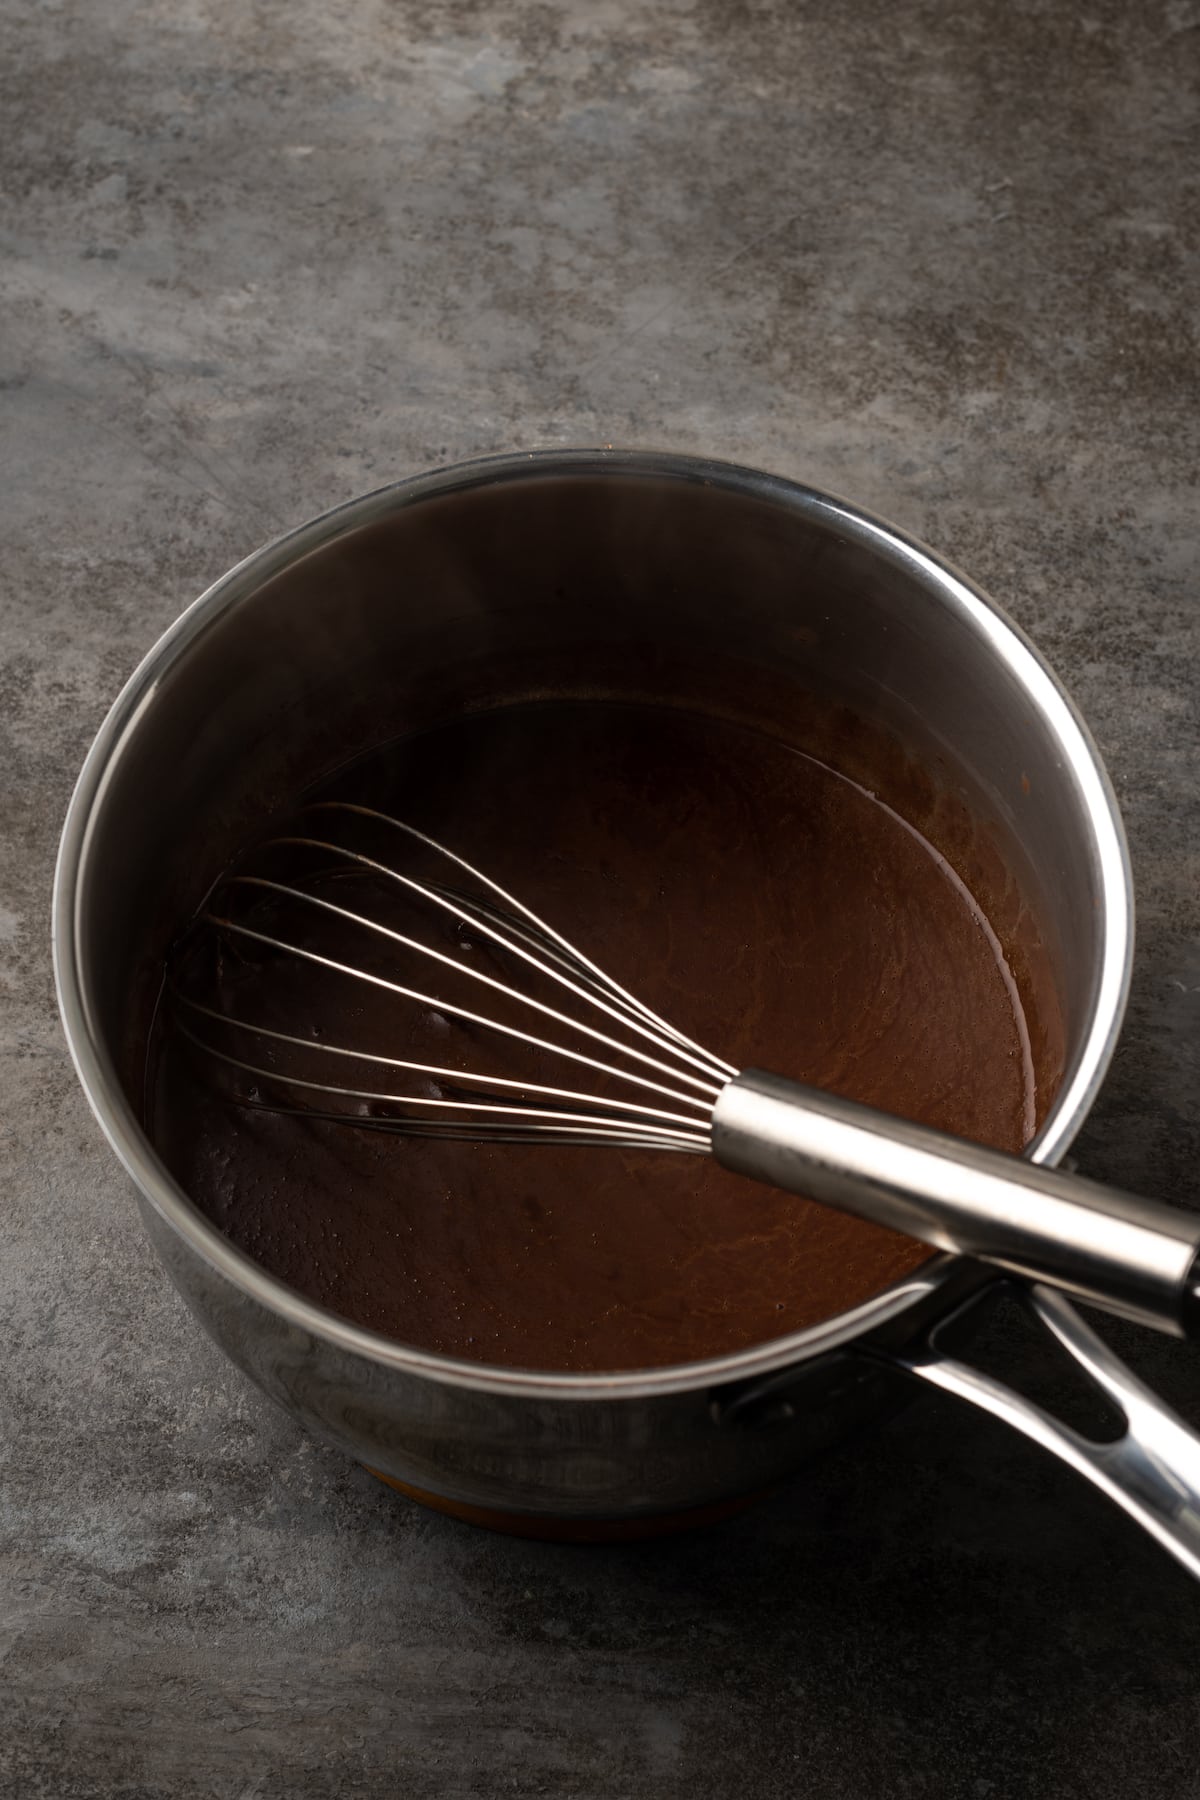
[{"x": 257, "y": 259}]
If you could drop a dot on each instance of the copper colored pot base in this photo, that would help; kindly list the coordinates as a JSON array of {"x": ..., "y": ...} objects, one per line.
[{"x": 578, "y": 1531}]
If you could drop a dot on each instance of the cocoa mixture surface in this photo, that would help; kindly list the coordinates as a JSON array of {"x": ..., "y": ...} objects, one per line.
[{"x": 773, "y": 910}]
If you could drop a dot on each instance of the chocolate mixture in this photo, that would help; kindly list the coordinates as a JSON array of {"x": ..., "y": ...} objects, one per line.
[{"x": 770, "y": 908}]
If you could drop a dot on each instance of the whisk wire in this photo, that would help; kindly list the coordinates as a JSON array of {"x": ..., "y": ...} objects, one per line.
[
  {"x": 492, "y": 1108},
  {"x": 487, "y": 1109},
  {"x": 505, "y": 939},
  {"x": 724, "y": 1071},
  {"x": 484, "y": 1133},
  {"x": 444, "y": 1006},
  {"x": 709, "y": 1086},
  {"x": 432, "y": 1071}
]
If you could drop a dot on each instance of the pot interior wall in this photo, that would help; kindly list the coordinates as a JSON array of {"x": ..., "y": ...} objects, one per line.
[{"x": 685, "y": 591}]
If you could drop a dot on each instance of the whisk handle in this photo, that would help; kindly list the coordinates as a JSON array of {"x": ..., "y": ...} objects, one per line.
[{"x": 1131, "y": 1256}]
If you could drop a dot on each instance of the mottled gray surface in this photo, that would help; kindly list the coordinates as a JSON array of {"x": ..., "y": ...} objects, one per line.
[{"x": 256, "y": 259}]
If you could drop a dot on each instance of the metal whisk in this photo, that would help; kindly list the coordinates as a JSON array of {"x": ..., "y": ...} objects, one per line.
[
  {"x": 668, "y": 1083},
  {"x": 648, "y": 1085}
]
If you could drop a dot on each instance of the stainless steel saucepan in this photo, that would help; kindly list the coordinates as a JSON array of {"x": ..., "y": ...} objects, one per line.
[{"x": 638, "y": 576}]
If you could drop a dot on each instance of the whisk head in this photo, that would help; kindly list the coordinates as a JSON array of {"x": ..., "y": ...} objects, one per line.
[{"x": 321, "y": 920}]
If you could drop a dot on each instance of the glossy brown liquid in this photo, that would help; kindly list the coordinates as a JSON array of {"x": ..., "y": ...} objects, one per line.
[{"x": 773, "y": 910}]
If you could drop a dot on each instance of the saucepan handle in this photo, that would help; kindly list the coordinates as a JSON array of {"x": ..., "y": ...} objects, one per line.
[{"x": 1152, "y": 1470}]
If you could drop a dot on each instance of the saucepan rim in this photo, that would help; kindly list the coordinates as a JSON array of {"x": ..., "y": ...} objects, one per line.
[{"x": 118, "y": 1119}]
